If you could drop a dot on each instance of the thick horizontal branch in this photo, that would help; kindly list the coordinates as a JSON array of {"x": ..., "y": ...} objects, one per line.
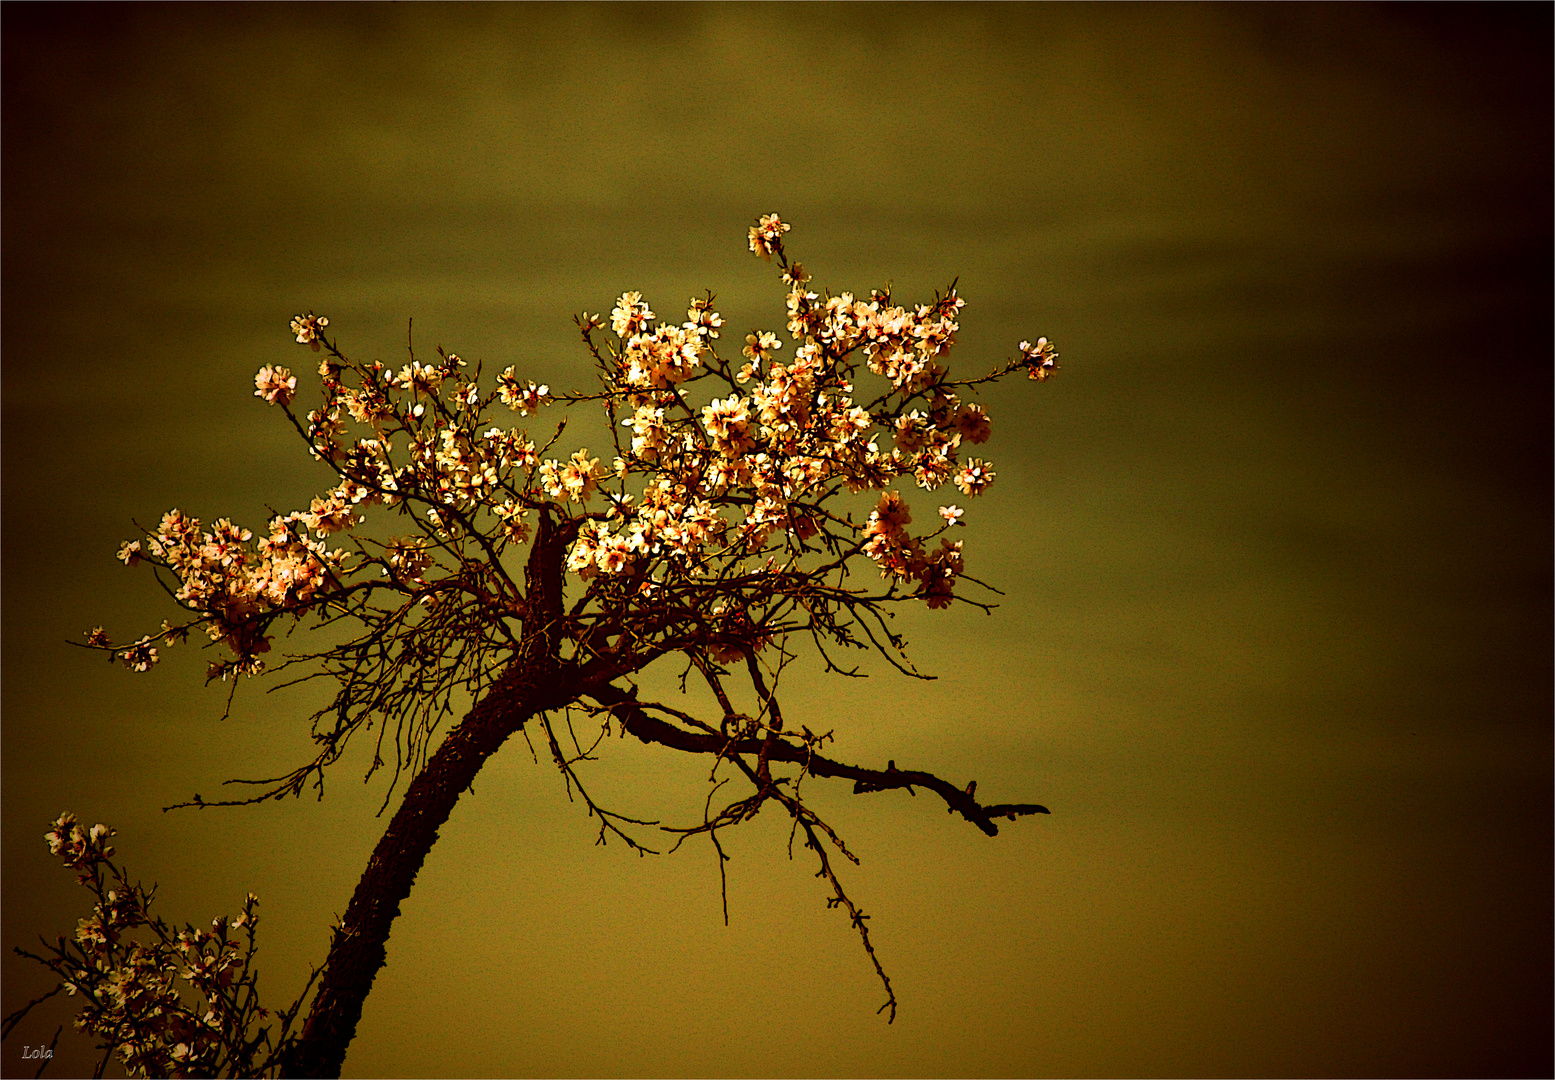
[{"x": 651, "y": 729}]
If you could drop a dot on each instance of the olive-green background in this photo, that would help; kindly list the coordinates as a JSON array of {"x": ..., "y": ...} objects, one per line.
[{"x": 1276, "y": 644}]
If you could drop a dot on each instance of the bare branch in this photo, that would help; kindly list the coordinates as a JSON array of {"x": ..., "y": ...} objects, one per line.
[{"x": 958, "y": 800}]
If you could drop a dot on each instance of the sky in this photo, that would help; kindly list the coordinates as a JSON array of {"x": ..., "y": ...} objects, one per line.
[{"x": 1275, "y": 546}]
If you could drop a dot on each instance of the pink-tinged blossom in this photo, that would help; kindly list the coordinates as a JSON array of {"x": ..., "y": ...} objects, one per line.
[
  {"x": 614, "y": 554},
  {"x": 141, "y": 656},
  {"x": 630, "y": 315},
  {"x": 649, "y": 433},
  {"x": 226, "y": 544},
  {"x": 366, "y": 407},
  {"x": 952, "y": 515},
  {"x": 728, "y": 422},
  {"x": 325, "y": 428},
  {"x": 91, "y": 935},
  {"x": 948, "y": 557},
  {"x": 898, "y": 555},
  {"x": 973, "y": 423},
  {"x": 974, "y": 477},
  {"x": 664, "y": 358},
  {"x": 276, "y": 385},
  {"x": 1040, "y": 359},
  {"x": 936, "y": 464},
  {"x": 701, "y": 319},
  {"x": 174, "y": 533},
  {"x": 585, "y": 549},
  {"x": 409, "y": 556},
  {"x": 938, "y": 591},
  {"x": 890, "y": 516},
  {"x": 575, "y": 481},
  {"x": 938, "y": 574},
  {"x": 767, "y": 234},
  {"x": 77, "y": 846},
  {"x": 59, "y": 835},
  {"x": 97, "y": 638},
  {"x": 329, "y": 515},
  {"x": 523, "y": 400},
  {"x": 129, "y": 553},
  {"x": 466, "y": 395},
  {"x": 909, "y": 431},
  {"x": 423, "y": 379},
  {"x": 307, "y": 328},
  {"x": 512, "y": 515},
  {"x": 802, "y": 313},
  {"x": 761, "y": 345}
]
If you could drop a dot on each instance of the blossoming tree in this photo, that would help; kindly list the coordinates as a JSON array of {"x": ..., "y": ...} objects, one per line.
[{"x": 749, "y": 505}]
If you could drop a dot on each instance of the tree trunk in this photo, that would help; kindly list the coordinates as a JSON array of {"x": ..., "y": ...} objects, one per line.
[
  {"x": 358, "y": 949},
  {"x": 534, "y": 683}
]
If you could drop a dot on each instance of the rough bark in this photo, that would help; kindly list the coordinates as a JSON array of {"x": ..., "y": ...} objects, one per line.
[
  {"x": 532, "y": 684},
  {"x": 358, "y": 949}
]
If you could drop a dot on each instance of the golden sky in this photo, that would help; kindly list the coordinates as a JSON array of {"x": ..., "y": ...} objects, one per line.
[{"x": 1276, "y": 544}]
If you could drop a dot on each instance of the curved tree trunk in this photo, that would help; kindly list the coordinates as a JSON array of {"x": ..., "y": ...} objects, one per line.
[
  {"x": 358, "y": 949},
  {"x": 533, "y": 684}
]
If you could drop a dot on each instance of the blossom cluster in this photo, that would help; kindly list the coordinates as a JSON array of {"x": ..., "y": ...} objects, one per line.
[
  {"x": 665, "y": 356},
  {"x": 902, "y": 556},
  {"x": 698, "y": 483},
  {"x": 759, "y": 461},
  {"x": 766, "y": 234},
  {"x": 129, "y": 968},
  {"x": 80, "y": 848},
  {"x": 309, "y": 328},
  {"x": 1040, "y": 359},
  {"x": 452, "y": 465},
  {"x": 232, "y": 582}
]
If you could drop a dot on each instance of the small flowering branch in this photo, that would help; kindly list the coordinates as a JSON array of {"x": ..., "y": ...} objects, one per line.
[
  {"x": 134, "y": 974},
  {"x": 738, "y": 506}
]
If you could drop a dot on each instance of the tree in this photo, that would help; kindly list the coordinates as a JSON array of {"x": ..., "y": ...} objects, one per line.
[{"x": 727, "y": 532}]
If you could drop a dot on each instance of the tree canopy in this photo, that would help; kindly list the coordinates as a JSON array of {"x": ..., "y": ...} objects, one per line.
[{"x": 469, "y": 570}]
